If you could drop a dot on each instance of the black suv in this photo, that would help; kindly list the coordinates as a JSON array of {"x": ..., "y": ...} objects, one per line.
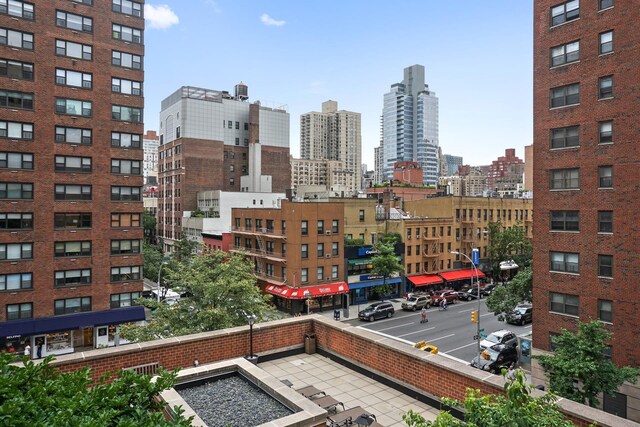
[
  {"x": 377, "y": 310},
  {"x": 523, "y": 313},
  {"x": 496, "y": 357}
]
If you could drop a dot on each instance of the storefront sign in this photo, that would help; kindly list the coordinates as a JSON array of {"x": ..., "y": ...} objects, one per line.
[
  {"x": 366, "y": 251},
  {"x": 369, "y": 277}
]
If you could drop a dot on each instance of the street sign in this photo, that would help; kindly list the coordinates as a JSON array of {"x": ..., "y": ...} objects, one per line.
[
  {"x": 483, "y": 335},
  {"x": 482, "y": 330},
  {"x": 475, "y": 256}
]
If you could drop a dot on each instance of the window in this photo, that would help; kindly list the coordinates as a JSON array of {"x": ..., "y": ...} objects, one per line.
[
  {"x": 126, "y": 114},
  {"x": 129, "y": 87},
  {"x": 565, "y": 137},
  {"x": 565, "y": 12},
  {"x": 127, "y": 7},
  {"x": 128, "y": 34},
  {"x": 334, "y": 226},
  {"x": 125, "y": 299},
  {"x": 125, "y": 194},
  {"x": 320, "y": 274},
  {"x": 605, "y": 135},
  {"x": 320, "y": 250},
  {"x": 605, "y": 310},
  {"x": 73, "y": 164},
  {"x": 305, "y": 228},
  {"x": 73, "y": 78},
  {"x": 14, "y": 251},
  {"x": 304, "y": 251},
  {"x": 126, "y": 140},
  {"x": 20, "y": 311},
  {"x": 74, "y": 107},
  {"x": 72, "y": 249},
  {"x": 605, "y": 221},
  {"x": 16, "y": 190},
  {"x": 74, "y": 22},
  {"x": 121, "y": 247},
  {"x": 605, "y": 4},
  {"x": 74, "y": 50},
  {"x": 120, "y": 220},
  {"x": 73, "y": 192},
  {"x": 361, "y": 215},
  {"x": 334, "y": 249},
  {"x": 72, "y": 220},
  {"x": 565, "y": 95},
  {"x": 16, "y": 221},
  {"x": 72, "y": 305},
  {"x": 334, "y": 271},
  {"x": 564, "y": 262},
  {"x": 126, "y": 60},
  {"x": 605, "y": 265},
  {"x": 126, "y": 167},
  {"x": 304, "y": 275},
  {"x": 124, "y": 274},
  {"x": 605, "y": 87},
  {"x": 18, "y": 8},
  {"x": 20, "y": 100},
  {"x": 565, "y": 53},
  {"x": 605, "y": 176},
  {"x": 563, "y": 179},
  {"x": 16, "y": 282},
  {"x": 409, "y": 248},
  {"x": 89, "y": 2},
  {"x": 563, "y": 303},
  {"x": 565, "y": 220},
  {"x": 16, "y": 69},
  {"x": 16, "y": 39},
  {"x": 16, "y": 160},
  {"x": 606, "y": 42},
  {"x": 73, "y": 135},
  {"x": 320, "y": 226}
]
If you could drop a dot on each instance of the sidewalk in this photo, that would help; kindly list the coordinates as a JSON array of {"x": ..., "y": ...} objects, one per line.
[{"x": 353, "y": 309}]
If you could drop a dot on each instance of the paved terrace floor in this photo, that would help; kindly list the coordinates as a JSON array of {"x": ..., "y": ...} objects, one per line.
[{"x": 347, "y": 386}]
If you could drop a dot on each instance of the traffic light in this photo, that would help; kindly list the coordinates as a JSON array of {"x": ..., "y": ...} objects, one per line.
[{"x": 474, "y": 317}]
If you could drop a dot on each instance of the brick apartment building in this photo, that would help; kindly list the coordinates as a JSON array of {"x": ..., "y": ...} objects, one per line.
[
  {"x": 505, "y": 173},
  {"x": 586, "y": 130},
  {"x": 70, "y": 172},
  {"x": 240, "y": 146}
]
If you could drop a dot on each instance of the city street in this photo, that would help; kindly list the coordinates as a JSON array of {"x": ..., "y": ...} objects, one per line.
[{"x": 451, "y": 331}]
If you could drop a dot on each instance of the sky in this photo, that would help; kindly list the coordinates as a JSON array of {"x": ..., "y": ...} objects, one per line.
[{"x": 296, "y": 54}]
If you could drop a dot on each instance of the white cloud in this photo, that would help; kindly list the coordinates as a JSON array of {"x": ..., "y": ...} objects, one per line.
[
  {"x": 213, "y": 4},
  {"x": 160, "y": 17},
  {"x": 269, "y": 21}
]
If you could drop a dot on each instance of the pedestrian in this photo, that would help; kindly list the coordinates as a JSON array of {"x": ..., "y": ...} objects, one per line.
[
  {"x": 443, "y": 304},
  {"x": 423, "y": 312},
  {"x": 39, "y": 348},
  {"x": 27, "y": 349}
]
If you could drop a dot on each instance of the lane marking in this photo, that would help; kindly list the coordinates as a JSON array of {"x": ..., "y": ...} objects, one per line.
[
  {"x": 486, "y": 314},
  {"x": 421, "y": 331},
  {"x": 411, "y": 343},
  {"x": 460, "y": 348},
  {"x": 443, "y": 354},
  {"x": 399, "y": 326},
  {"x": 441, "y": 338}
]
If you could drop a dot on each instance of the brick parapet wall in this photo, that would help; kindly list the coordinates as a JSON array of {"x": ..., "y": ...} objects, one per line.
[{"x": 434, "y": 375}]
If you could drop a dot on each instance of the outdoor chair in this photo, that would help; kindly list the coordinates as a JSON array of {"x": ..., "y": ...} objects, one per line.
[
  {"x": 327, "y": 403},
  {"x": 348, "y": 417},
  {"x": 310, "y": 391}
]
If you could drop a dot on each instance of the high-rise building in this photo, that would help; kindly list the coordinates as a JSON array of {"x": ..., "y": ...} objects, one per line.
[
  {"x": 586, "y": 213},
  {"x": 505, "y": 173},
  {"x": 410, "y": 126},
  {"x": 212, "y": 140},
  {"x": 452, "y": 163},
  {"x": 70, "y": 172},
  {"x": 334, "y": 135},
  {"x": 150, "y": 144}
]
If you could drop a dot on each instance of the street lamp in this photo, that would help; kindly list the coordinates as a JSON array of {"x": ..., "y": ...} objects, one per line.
[
  {"x": 251, "y": 319},
  {"x": 478, "y": 285},
  {"x": 163, "y": 262}
]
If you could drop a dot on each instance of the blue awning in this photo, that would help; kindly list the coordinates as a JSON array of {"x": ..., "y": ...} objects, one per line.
[
  {"x": 371, "y": 283},
  {"x": 67, "y": 322}
]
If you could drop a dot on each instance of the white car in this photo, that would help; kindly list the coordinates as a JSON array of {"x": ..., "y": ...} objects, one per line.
[{"x": 502, "y": 336}]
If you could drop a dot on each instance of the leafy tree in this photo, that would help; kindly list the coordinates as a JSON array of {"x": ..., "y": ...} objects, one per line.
[
  {"x": 184, "y": 249},
  {"x": 391, "y": 238},
  {"x": 152, "y": 259},
  {"x": 504, "y": 299},
  {"x": 220, "y": 289},
  {"x": 517, "y": 408},
  {"x": 581, "y": 356},
  {"x": 36, "y": 394},
  {"x": 353, "y": 242},
  {"x": 385, "y": 263},
  {"x": 149, "y": 225},
  {"x": 508, "y": 243}
]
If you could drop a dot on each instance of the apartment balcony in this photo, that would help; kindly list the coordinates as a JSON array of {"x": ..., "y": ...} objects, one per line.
[
  {"x": 275, "y": 280},
  {"x": 467, "y": 220},
  {"x": 260, "y": 253},
  {"x": 257, "y": 231},
  {"x": 426, "y": 236}
]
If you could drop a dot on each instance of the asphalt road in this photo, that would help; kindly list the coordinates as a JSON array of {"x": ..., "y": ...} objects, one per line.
[{"x": 451, "y": 331}]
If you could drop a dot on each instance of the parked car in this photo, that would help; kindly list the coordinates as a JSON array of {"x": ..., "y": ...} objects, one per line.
[
  {"x": 469, "y": 294},
  {"x": 377, "y": 310},
  {"x": 487, "y": 289},
  {"x": 449, "y": 295},
  {"x": 502, "y": 336},
  {"x": 523, "y": 313},
  {"x": 416, "y": 302},
  {"x": 496, "y": 357}
]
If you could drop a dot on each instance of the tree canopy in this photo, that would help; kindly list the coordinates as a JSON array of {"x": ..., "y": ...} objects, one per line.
[
  {"x": 508, "y": 244},
  {"x": 219, "y": 288},
  {"x": 582, "y": 356},
  {"x": 385, "y": 263},
  {"x": 504, "y": 299},
  {"x": 152, "y": 260},
  {"x": 517, "y": 408},
  {"x": 36, "y": 394}
]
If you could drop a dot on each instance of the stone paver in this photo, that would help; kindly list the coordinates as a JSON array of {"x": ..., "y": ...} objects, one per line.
[{"x": 347, "y": 386}]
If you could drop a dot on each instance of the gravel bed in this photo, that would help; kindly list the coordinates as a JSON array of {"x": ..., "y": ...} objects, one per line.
[{"x": 234, "y": 402}]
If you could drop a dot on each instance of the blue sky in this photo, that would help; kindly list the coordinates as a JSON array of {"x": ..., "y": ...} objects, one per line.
[{"x": 299, "y": 53}]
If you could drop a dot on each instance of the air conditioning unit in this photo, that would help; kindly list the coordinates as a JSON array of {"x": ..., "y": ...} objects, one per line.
[
  {"x": 327, "y": 256},
  {"x": 328, "y": 233}
]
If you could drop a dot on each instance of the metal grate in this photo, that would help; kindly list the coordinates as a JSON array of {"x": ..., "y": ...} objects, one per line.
[{"x": 148, "y": 369}]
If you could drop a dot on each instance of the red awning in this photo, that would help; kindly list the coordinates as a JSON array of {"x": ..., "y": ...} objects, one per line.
[
  {"x": 425, "y": 279},
  {"x": 316, "y": 291},
  {"x": 452, "y": 276}
]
